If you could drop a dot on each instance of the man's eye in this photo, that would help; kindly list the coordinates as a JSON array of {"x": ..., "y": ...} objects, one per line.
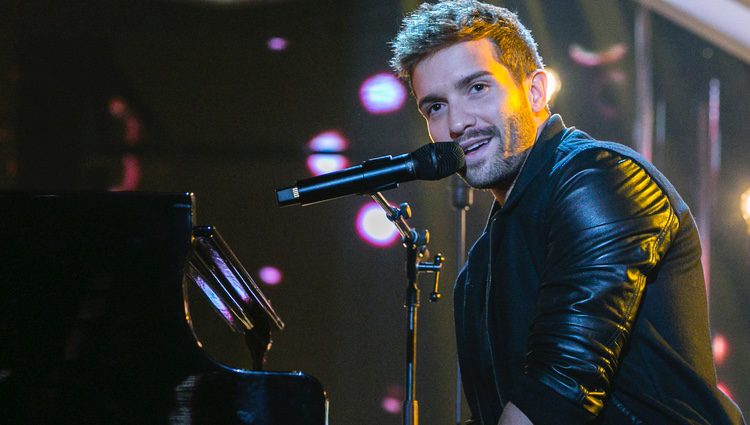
[
  {"x": 434, "y": 108},
  {"x": 478, "y": 87}
]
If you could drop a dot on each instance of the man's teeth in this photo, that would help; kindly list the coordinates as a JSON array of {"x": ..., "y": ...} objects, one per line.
[{"x": 475, "y": 147}]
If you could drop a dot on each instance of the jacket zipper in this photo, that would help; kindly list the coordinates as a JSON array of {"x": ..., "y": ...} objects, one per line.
[{"x": 488, "y": 285}]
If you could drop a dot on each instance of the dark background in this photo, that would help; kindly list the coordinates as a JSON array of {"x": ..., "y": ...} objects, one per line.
[{"x": 226, "y": 118}]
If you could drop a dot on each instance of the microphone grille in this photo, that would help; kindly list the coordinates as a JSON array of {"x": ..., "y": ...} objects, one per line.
[{"x": 435, "y": 161}]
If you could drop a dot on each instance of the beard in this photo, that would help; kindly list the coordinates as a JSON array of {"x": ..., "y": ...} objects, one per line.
[{"x": 509, "y": 149}]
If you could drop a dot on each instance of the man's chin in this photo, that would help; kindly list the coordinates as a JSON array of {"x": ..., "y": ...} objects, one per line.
[
  {"x": 476, "y": 183},
  {"x": 486, "y": 182}
]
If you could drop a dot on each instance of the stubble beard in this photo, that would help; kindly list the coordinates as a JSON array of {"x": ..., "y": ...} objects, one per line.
[{"x": 500, "y": 169}]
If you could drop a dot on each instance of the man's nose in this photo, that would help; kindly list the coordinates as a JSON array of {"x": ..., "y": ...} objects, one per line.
[{"x": 459, "y": 122}]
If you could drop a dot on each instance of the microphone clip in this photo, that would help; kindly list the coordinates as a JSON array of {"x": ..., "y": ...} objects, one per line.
[{"x": 415, "y": 243}]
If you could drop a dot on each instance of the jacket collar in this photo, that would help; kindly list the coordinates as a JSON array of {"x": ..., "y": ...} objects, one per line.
[{"x": 543, "y": 149}]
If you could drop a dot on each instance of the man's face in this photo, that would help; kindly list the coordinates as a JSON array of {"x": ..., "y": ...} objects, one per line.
[{"x": 466, "y": 95}]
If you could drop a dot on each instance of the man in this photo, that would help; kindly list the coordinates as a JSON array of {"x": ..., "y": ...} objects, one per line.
[{"x": 583, "y": 300}]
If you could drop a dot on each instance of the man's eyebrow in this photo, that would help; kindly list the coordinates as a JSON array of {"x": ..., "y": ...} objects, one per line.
[
  {"x": 468, "y": 79},
  {"x": 427, "y": 99},
  {"x": 458, "y": 85}
]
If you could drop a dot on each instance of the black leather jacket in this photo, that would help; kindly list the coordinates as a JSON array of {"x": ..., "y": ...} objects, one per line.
[{"x": 584, "y": 299}]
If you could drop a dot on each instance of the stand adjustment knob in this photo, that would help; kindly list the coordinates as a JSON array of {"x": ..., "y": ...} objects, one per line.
[{"x": 433, "y": 267}]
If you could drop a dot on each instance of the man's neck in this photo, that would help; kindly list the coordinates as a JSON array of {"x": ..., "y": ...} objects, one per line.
[{"x": 501, "y": 193}]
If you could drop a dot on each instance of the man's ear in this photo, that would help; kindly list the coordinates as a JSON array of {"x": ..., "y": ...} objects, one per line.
[{"x": 538, "y": 90}]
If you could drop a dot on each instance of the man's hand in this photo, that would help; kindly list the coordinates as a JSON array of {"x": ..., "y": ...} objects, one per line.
[{"x": 512, "y": 415}]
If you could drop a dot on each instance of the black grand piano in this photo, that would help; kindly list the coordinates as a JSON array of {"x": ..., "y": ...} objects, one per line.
[{"x": 95, "y": 320}]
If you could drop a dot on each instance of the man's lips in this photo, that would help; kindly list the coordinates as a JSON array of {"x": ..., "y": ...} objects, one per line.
[{"x": 474, "y": 145}]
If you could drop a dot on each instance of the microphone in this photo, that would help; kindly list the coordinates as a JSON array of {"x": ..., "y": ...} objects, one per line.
[{"x": 432, "y": 161}]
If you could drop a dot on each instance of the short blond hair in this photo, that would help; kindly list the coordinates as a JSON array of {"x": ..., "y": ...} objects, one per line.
[{"x": 432, "y": 27}]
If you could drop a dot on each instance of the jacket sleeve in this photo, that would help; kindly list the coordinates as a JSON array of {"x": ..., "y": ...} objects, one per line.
[{"x": 608, "y": 226}]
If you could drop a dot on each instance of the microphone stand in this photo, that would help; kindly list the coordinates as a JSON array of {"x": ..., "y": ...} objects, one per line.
[
  {"x": 416, "y": 249},
  {"x": 462, "y": 196}
]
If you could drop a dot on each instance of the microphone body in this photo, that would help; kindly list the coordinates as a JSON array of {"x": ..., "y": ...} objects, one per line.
[{"x": 433, "y": 161}]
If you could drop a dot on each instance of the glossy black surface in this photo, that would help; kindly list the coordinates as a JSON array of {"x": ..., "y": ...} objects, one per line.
[{"x": 93, "y": 325}]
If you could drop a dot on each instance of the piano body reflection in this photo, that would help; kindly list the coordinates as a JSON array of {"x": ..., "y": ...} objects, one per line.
[{"x": 95, "y": 324}]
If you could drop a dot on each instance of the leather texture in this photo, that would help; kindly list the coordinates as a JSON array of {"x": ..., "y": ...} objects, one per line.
[
  {"x": 609, "y": 226},
  {"x": 587, "y": 287}
]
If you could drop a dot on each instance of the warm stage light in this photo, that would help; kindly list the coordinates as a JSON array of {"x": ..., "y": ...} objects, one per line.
[
  {"x": 374, "y": 227},
  {"x": 745, "y": 206},
  {"x": 553, "y": 84},
  {"x": 723, "y": 388},
  {"x": 589, "y": 58},
  {"x": 720, "y": 348},
  {"x": 382, "y": 93}
]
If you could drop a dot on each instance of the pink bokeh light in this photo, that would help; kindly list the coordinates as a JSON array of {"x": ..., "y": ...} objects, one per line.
[
  {"x": 131, "y": 174},
  {"x": 277, "y": 44},
  {"x": 720, "y": 348},
  {"x": 588, "y": 58},
  {"x": 391, "y": 405},
  {"x": 117, "y": 107},
  {"x": 723, "y": 388},
  {"x": 374, "y": 227},
  {"x": 382, "y": 93},
  {"x": 270, "y": 275},
  {"x": 393, "y": 399},
  {"x": 322, "y": 163},
  {"x": 329, "y": 141}
]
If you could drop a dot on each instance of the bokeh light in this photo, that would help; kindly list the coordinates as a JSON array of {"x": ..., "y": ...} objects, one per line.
[
  {"x": 382, "y": 93},
  {"x": 589, "y": 58},
  {"x": 270, "y": 275},
  {"x": 745, "y": 207},
  {"x": 117, "y": 106},
  {"x": 723, "y": 388},
  {"x": 329, "y": 141},
  {"x": 277, "y": 43},
  {"x": 326, "y": 148},
  {"x": 720, "y": 348},
  {"x": 391, "y": 405},
  {"x": 374, "y": 227},
  {"x": 322, "y": 163},
  {"x": 553, "y": 84},
  {"x": 393, "y": 400},
  {"x": 131, "y": 174}
]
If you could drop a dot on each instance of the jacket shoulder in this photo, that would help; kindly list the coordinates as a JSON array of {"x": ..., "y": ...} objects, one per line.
[{"x": 578, "y": 151}]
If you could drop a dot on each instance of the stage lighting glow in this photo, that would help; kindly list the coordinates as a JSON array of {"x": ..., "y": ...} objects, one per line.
[
  {"x": 391, "y": 405},
  {"x": 723, "y": 388},
  {"x": 117, "y": 107},
  {"x": 329, "y": 141},
  {"x": 270, "y": 275},
  {"x": 322, "y": 163},
  {"x": 720, "y": 348},
  {"x": 131, "y": 174},
  {"x": 277, "y": 43},
  {"x": 588, "y": 58},
  {"x": 553, "y": 84},
  {"x": 382, "y": 93},
  {"x": 374, "y": 227},
  {"x": 392, "y": 402},
  {"x": 745, "y": 207}
]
